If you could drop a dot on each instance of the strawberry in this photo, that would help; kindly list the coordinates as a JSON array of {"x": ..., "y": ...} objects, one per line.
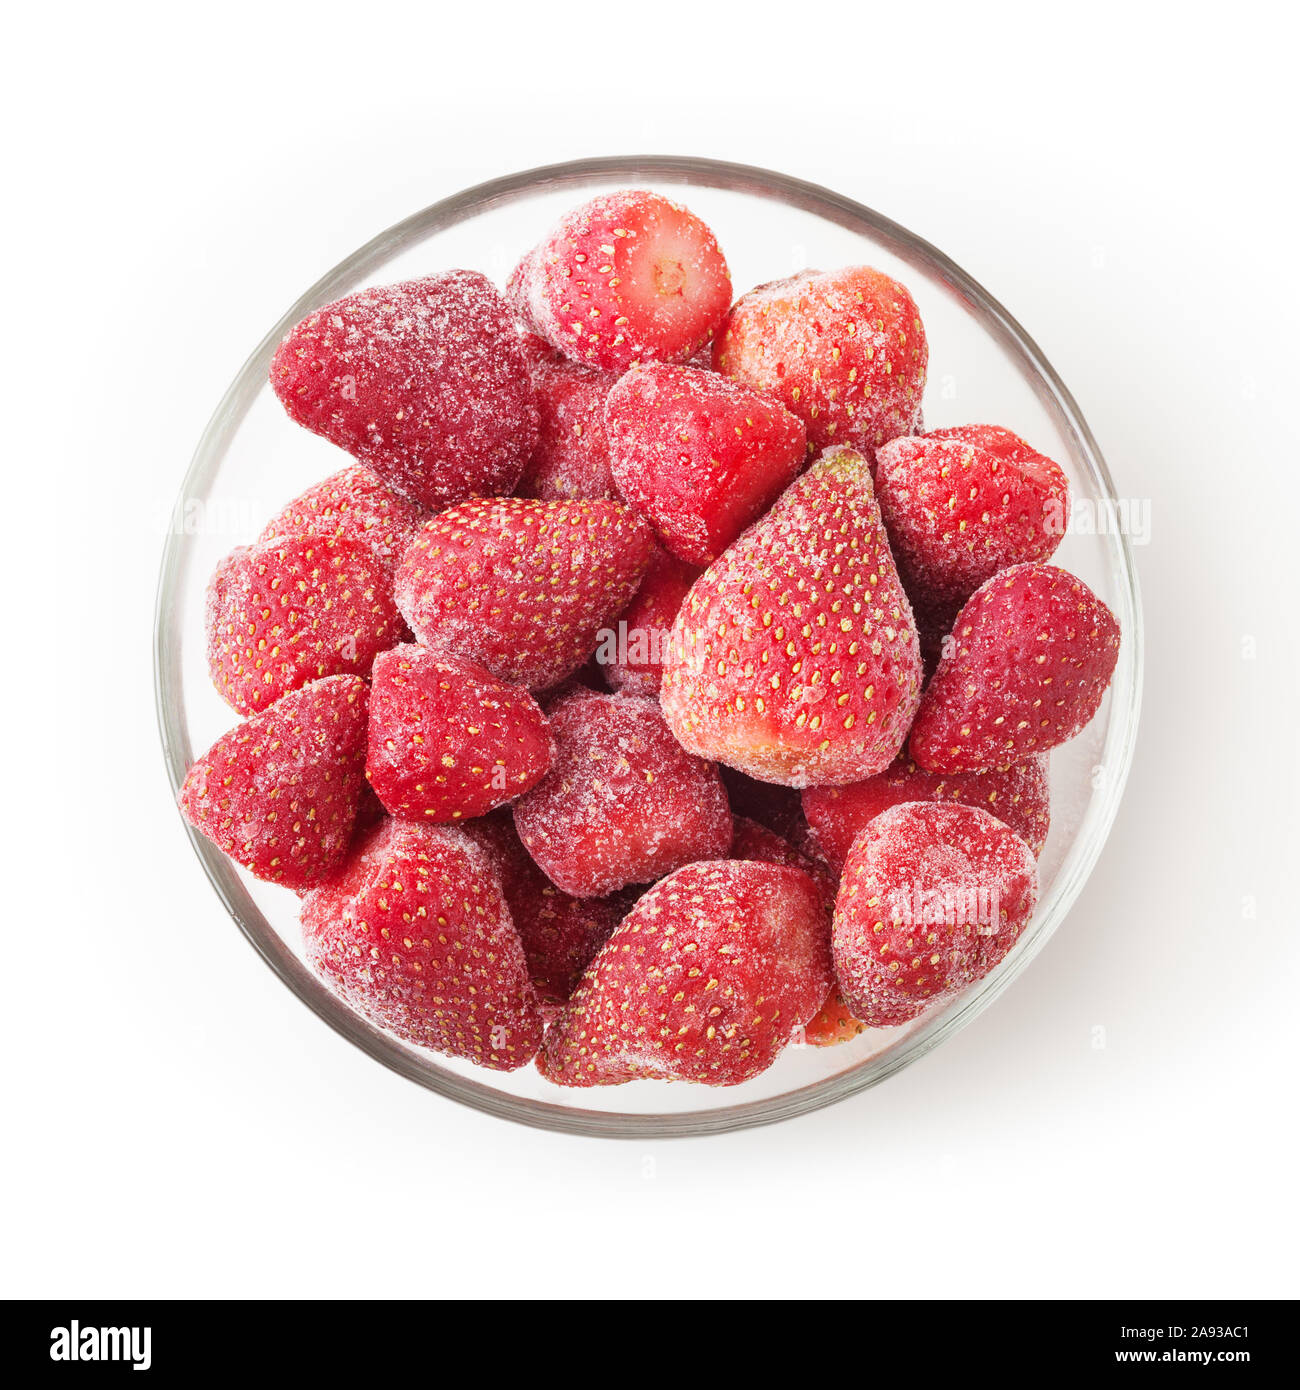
[
  {"x": 933, "y": 897},
  {"x": 833, "y": 1024},
  {"x": 424, "y": 382},
  {"x": 1032, "y": 653},
  {"x": 632, "y": 653},
  {"x": 1019, "y": 797},
  {"x": 623, "y": 802},
  {"x": 560, "y": 933},
  {"x": 844, "y": 351},
  {"x": 961, "y": 504},
  {"x": 572, "y": 454},
  {"x": 351, "y": 505},
  {"x": 754, "y": 841},
  {"x": 447, "y": 740},
  {"x": 414, "y": 933},
  {"x": 520, "y": 586},
  {"x": 794, "y": 657},
  {"x": 704, "y": 980},
  {"x": 279, "y": 793},
  {"x": 625, "y": 278},
  {"x": 699, "y": 455},
  {"x": 285, "y": 612}
]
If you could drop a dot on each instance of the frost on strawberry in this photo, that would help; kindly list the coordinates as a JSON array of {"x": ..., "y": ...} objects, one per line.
[
  {"x": 415, "y": 934},
  {"x": 623, "y": 802},
  {"x": 627, "y": 277},
  {"x": 572, "y": 454},
  {"x": 932, "y": 898},
  {"x": 447, "y": 741},
  {"x": 280, "y": 793},
  {"x": 698, "y": 455},
  {"x": 288, "y": 611},
  {"x": 794, "y": 658},
  {"x": 843, "y": 350},
  {"x": 350, "y": 505},
  {"x": 1019, "y": 796},
  {"x": 961, "y": 504},
  {"x": 424, "y": 382},
  {"x": 1031, "y": 655},
  {"x": 704, "y": 980},
  {"x": 522, "y": 587}
]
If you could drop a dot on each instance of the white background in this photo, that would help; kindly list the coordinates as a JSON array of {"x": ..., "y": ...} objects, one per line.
[{"x": 175, "y": 1122}]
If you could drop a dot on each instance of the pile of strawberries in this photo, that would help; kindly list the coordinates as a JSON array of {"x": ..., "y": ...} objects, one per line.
[{"x": 588, "y": 711}]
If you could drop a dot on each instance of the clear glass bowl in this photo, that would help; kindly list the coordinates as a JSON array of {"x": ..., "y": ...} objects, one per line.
[{"x": 983, "y": 367}]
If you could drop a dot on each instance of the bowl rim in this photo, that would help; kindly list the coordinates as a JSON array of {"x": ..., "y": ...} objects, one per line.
[{"x": 1117, "y": 752}]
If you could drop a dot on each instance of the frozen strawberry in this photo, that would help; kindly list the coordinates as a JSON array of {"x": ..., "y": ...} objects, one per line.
[
  {"x": 933, "y": 897},
  {"x": 520, "y": 586},
  {"x": 1019, "y": 797},
  {"x": 353, "y": 505},
  {"x": 1031, "y": 655},
  {"x": 447, "y": 740},
  {"x": 632, "y": 652},
  {"x": 560, "y": 933},
  {"x": 572, "y": 455},
  {"x": 414, "y": 934},
  {"x": 754, "y": 841},
  {"x": 704, "y": 980},
  {"x": 279, "y": 794},
  {"x": 626, "y": 277},
  {"x": 537, "y": 352},
  {"x": 961, "y": 504},
  {"x": 623, "y": 802},
  {"x": 424, "y": 382},
  {"x": 699, "y": 455},
  {"x": 833, "y": 1024},
  {"x": 794, "y": 657},
  {"x": 771, "y": 805},
  {"x": 285, "y": 612},
  {"x": 843, "y": 350}
]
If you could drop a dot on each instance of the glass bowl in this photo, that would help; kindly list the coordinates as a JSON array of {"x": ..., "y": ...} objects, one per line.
[{"x": 983, "y": 368}]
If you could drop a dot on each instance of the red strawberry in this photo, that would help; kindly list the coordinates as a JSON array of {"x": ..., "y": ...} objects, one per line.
[
  {"x": 1019, "y": 797},
  {"x": 699, "y": 455},
  {"x": 844, "y": 350},
  {"x": 932, "y": 898},
  {"x": 626, "y": 277},
  {"x": 424, "y": 382},
  {"x": 776, "y": 807},
  {"x": 285, "y": 612},
  {"x": 754, "y": 841},
  {"x": 960, "y": 505},
  {"x": 279, "y": 794},
  {"x": 414, "y": 933},
  {"x": 833, "y": 1024},
  {"x": 622, "y": 803},
  {"x": 704, "y": 980},
  {"x": 794, "y": 657},
  {"x": 1032, "y": 653},
  {"x": 572, "y": 454},
  {"x": 560, "y": 933},
  {"x": 353, "y": 505},
  {"x": 447, "y": 740},
  {"x": 522, "y": 587},
  {"x": 632, "y": 653}
]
